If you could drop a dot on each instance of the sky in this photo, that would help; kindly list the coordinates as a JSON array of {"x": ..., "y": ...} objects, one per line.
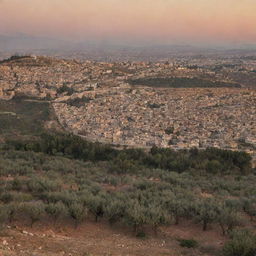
[{"x": 157, "y": 21}]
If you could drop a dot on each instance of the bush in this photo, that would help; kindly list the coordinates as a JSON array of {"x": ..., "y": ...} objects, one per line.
[
  {"x": 34, "y": 210},
  {"x": 78, "y": 212},
  {"x": 3, "y": 215},
  {"x": 188, "y": 243},
  {"x": 242, "y": 243},
  {"x": 11, "y": 210},
  {"x": 40, "y": 185},
  {"x": 207, "y": 212},
  {"x": 141, "y": 234},
  {"x": 56, "y": 210}
]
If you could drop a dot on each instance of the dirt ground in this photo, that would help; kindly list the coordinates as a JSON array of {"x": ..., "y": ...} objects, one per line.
[{"x": 96, "y": 239}]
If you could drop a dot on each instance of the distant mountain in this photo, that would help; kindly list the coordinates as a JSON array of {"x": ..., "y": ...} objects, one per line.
[
  {"x": 105, "y": 50},
  {"x": 27, "y": 42}
]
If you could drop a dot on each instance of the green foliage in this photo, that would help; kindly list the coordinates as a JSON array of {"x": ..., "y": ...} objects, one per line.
[
  {"x": 34, "y": 210},
  {"x": 207, "y": 211},
  {"x": 78, "y": 212},
  {"x": 95, "y": 205},
  {"x": 157, "y": 216},
  {"x": 169, "y": 130},
  {"x": 242, "y": 243},
  {"x": 180, "y": 82},
  {"x": 40, "y": 185},
  {"x": 26, "y": 118},
  {"x": 249, "y": 206},
  {"x": 136, "y": 215},
  {"x": 56, "y": 210},
  {"x": 65, "y": 88},
  {"x": 3, "y": 215},
  {"x": 188, "y": 243},
  {"x": 228, "y": 219},
  {"x": 141, "y": 235},
  {"x": 178, "y": 207},
  {"x": 210, "y": 160},
  {"x": 78, "y": 102},
  {"x": 151, "y": 189},
  {"x": 12, "y": 209},
  {"x": 114, "y": 210}
]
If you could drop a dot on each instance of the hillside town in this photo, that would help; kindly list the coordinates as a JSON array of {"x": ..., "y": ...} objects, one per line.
[{"x": 95, "y": 100}]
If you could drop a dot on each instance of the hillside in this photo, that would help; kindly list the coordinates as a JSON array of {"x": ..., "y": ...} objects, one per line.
[{"x": 92, "y": 166}]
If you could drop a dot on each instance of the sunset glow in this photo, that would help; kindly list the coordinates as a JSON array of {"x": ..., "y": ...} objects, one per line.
[{"x": 156, "y": 20}]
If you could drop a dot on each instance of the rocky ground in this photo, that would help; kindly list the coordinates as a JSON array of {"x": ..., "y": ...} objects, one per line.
[{"x": 98, "y": 239}]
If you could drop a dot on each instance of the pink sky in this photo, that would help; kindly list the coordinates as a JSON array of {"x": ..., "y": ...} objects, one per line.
[{"x": 157, "y": 20}]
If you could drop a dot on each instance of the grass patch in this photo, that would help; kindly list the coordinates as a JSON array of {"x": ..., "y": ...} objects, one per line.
[
  {"x": 20, "y": 117},
  {"x": 180, "y": 82}
]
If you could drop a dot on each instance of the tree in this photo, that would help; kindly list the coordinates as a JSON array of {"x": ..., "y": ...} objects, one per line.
[
  {"x": 78, "y": 212},
  {"x": 56, "y": 210},
  {"x": 34, "y": 211},
  {"x": 156, "y": 216},
  {"x": 114, "y": 210},
  {"x": 3, "y": 215},
  {"x": 11, "y": 209},
  {"x": 178, "y": 207},
  {"x": 228, "y": 219},
  {"x": 136, "y": 215},
  {"x": 242, "y": 243},
  {"x": 96, "y": 206},
  {"x": 249, "y": 207},
  {"x": 206, "y": 212}
]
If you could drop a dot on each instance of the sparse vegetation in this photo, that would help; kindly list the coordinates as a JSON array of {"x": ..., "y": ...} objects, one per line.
[
  {"x": 180, "y": 82},
  {"x": 62, "y": 177},
  {"x": 188, "y": 243},
  {"x": 243, "y": 243}
]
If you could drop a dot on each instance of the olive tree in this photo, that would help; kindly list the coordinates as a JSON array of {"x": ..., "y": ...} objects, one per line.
[
  {"x": 206, "y": 212},
  {"x": 78, "y": 212},
  {"x": 34, "y": 211},
  {"x": 136, "y": 215},
  {"x": 56, "y": 210}
]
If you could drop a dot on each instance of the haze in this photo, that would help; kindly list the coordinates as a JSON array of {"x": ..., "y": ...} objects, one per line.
[{"x": 161, "y": 21}]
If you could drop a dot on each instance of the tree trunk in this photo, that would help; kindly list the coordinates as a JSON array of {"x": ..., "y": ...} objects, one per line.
[
  {"x": 135, "y": 229},
  {"x": 223, "y": 229},
  {"x": 204, "y": 225},
  {"x": 177, "y": 220},
  {"x": 155, "y": 229},
  {"x": 32, "y": 223}
]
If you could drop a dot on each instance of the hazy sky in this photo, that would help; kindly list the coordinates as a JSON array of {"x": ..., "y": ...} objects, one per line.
[{"x": 162, "y": 21}]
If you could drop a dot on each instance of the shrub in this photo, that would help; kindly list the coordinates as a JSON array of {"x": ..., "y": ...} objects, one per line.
[
  {"x": 136, "y": 216},
  {"x": 207, "y": 212},
  {"x": 228, "y": 219},
  {"x": 96, "y": 206},
  {"x": 114, "y": 210},
  {"x": 12, "y": 209},
  {"x": 188, "y": 243},
  {"x": 3, "y": 215},
  {"x": 56, "y": 210},
  {"x": 17, "y": 184},
  {"x": 242, "y": 243},
  {"x": 78, "y": 212},
  {"x": 141, "y": 234},
  {"x": 34, "y": 211},
  {"x": 156, "y": 216},
  {"x": 65, "y": 88},
  {"x": 169, "y": 130},
  {"x": 39, "y": 185},
  {"x": 6, "y": 197}
]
